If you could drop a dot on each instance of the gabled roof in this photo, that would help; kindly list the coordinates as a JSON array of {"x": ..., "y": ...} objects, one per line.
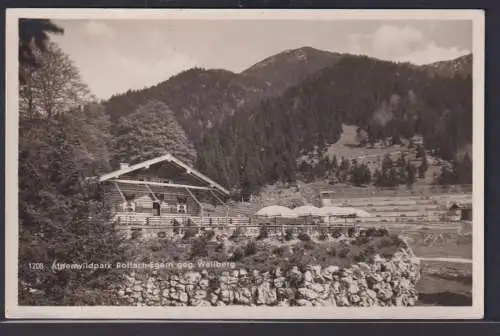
[{"x": 165, "y": 158}]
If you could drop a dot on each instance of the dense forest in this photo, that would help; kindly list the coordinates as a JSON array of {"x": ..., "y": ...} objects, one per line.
[
  {"x": 199, "y": 98},
  {"x": 248, "y": 129},
  {"x": 388, "y": 100}
]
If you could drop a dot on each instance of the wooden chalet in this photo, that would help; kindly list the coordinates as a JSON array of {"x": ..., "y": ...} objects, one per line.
[{"x": 162, "y": 191}]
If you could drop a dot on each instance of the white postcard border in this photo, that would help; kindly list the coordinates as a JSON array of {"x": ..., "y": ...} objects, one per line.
[{"x": 14, "y": 311}]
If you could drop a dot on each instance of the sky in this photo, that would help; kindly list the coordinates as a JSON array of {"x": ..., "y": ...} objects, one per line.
[{"x": 114, "y": 56}]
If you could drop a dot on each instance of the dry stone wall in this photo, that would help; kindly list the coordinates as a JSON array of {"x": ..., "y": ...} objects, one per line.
[{"x": 383, "y": 282}]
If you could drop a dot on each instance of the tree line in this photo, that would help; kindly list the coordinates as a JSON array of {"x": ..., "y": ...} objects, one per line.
[
  {"x": 63, "y": 139},
  {"x": 260, "y": 144}
]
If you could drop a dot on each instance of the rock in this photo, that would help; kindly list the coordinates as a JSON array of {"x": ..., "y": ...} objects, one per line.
[
  {"x": 295, "y": 271},
  {"x": 243, "y": 296},
  {"x": 265, "y": 294},
  {"x": 336, "y": 287},
  {"x": 315, "y": 270},
  {"x": 227, "y": 296},
  {"x": 371, "y": 294},
  {"x": 213, "y": 298},
  {"x": 191, "y": 278},
  {"x": 347, "y": 280},
  {"x": 318, "y": 288},
  {"x": 204, "y": 283},
  {"x": 354, "y": 298},
  {"x": 353, "y": 288},
  {"x": 364, "y": 267},
  {"x": 121, "y": 293},
  {"x": 304, "y": 303},
  {"x": 308, "y": 294},
  {"x": 328, "y": 272},
  {"x": 180, "y": 287},
  {"x": 405, "y": 283},
  {"x": 385, "y": 294},
  {"x": 386, "y": 276},
  {"x": 389, "y": 267},
  {"x": 199, "y": 294},
  {"x": 285, "y": 293},
  {"x": 373, "y": 278},
  {"x": 201, "y": 303},
  {"x": 343, "y": 301},
  {"x": 279, "y": 282},
  {"x": 220, "y": 303}
]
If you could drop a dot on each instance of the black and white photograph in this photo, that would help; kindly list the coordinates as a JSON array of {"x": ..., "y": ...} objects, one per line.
[{"x": 244, "y": 164}]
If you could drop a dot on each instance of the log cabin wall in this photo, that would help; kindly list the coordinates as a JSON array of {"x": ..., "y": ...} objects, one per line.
[{"x": 142, "y": 201}]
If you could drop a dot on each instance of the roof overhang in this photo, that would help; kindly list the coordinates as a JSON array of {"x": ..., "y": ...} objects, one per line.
[{"x": 114, "y": 176}]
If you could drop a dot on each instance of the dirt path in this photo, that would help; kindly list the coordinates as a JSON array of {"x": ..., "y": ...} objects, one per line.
[{"x": 452, "y": 260}]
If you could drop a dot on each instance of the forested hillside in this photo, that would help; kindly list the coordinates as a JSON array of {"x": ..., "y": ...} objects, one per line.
[
  {"x": 259, "y": 145},
  {"x": 458, "y": 66},
  {"x": 249, "y": 129},
  {"x": 199, "y": 98},
  {"x": 291, "y": 67}
]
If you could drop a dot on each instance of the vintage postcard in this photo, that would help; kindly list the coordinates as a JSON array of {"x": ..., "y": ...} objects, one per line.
[{"x": 244, "y": 164}]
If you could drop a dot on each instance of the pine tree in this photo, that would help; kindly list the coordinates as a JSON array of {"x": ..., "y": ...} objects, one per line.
[
  {"x": 410, "y": 174},
  {"x": 422, "y": 169},
  {"x": 150, "y": 132},
  {"x": 62, "y": 217},
  {"x": 387, "y": 163}
]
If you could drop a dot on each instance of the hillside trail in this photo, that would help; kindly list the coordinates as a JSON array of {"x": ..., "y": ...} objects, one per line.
[{"x": 451, "y": 260}]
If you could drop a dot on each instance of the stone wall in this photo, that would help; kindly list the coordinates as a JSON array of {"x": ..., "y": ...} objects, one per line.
[{"x": 384, "y": 282}]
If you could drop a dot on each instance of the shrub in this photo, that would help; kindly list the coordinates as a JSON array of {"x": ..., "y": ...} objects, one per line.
[
  {"x": 361, "y": 241},
  {"x": 189, "y": 233},
  {"x": 323, "y": 236},
  {"x": 344, "y": 252},
  {"x": 156, "y": 246},
  {"x": 279, "y": 251},
  {"x": 360, "y": 257},
  {"x": 309, "y": 245},
  {"x": 199, "y": 248},
  {"x": 208, "y": 234},
  {"x": 371, "y": 232},
  {"x": 392, "y": 240},
  {"x": 289, "y": 234},
  {"x": 191, "y": 230},
  {"x": 382, "y": 232},
  {"x": 237, "y": 233},
  {"x": 351, "y": 232},
  {"x": 238, "y": 254},
  {"x": 176, "y": 225},
  {"x": 263, "y": 232},
  {"x": 369, "y": 252},
  {"x": 250, "y": 249},
  {"x": 220, "y": 247},
  {"x": 336, "y": 233},
  {"x": 136, "y": 234},
  {"x": 304, "y": 237},
  {"x": 332, "y": 251}
]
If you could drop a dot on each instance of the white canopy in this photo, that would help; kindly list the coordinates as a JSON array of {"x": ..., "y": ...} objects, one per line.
[
  {"x": 276, "y": 211},
  {"x": 307, "y": 210},
  {"x": 336, "y": 211}
]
